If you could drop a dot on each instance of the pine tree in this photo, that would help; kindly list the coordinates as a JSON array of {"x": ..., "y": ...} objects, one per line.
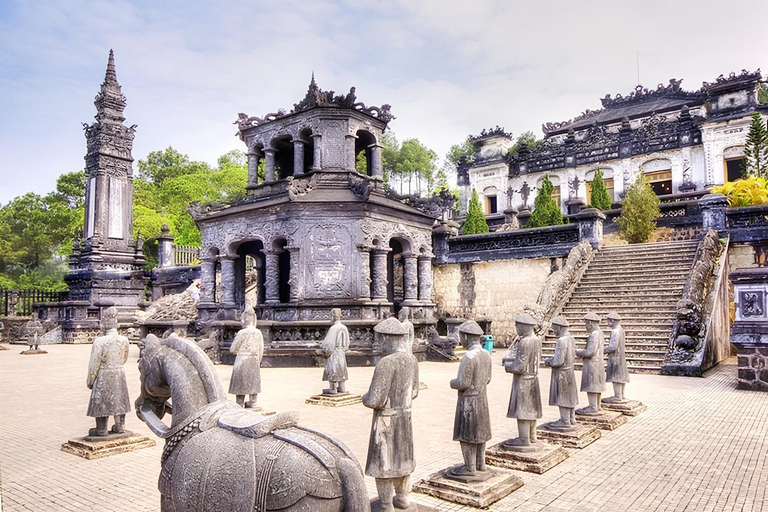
[
  {"x": 756, "y": 149},
  {"x": 600, "y": 198},
  {"x": 475, "y": 223},
  {"x": 639, "y": 212},
  {"x": 546, "y": 211}
]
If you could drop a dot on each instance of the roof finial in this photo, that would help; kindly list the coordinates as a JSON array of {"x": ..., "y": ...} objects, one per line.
[
  {"x": 313, "y": 84},
  {"x": 111, "y": 76}
]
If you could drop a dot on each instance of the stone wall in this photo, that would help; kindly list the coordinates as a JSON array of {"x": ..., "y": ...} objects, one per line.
[
  {"x": 496, "y": 290},
  {"x": 14, "y": 328},
  {"x": 741, "y": 256}
]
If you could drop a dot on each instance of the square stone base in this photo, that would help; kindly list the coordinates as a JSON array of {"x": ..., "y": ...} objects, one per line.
[
  {"x": 626, "y": 407},
  {"x": 376, "y": 507},
  {"x": 337, "y": 400},
  {"x": 89, "y": 449},
  {"x": 606, "y": 420},
  {"x": 475, "y": 494},
  {"x": 422, "y": 386},
  {"x": 3, "y": 347},
  {"x": 33, "y": 352},
  {"x": 581, "y": 435},
  {"x": 538, "y": 461}
]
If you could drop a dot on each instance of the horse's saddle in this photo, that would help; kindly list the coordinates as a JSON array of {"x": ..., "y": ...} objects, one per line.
[{"x": 250, "y": 424}]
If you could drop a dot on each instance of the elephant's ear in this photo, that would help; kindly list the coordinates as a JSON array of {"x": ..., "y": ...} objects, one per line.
[{"x": 147, "y": 412}]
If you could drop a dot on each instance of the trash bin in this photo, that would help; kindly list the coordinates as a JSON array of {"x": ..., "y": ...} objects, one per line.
[{"x": 489, "y": 343}]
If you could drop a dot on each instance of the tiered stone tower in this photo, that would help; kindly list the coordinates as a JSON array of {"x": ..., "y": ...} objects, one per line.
[{"x": 106, "y": 267}]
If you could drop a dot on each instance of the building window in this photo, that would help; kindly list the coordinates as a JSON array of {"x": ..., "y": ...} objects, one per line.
[
  {"x": 608, "y": 186},
  {"x": 661, "y": 181},
  {"x": 733, "y": 168},
  {"x": 556, "y": 196},
  {"x": 490, "y": 205}
]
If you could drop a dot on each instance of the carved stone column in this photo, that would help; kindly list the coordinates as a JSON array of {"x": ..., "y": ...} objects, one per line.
[
  {"x": 425, "y": 277},
  {"x": 228, "y": 279},
  {"x": 377, "y": 171},
  {"x": 294, "y": 279},
  {"x": 317, "y": 161},
  {"x": 272, "y": 276},
  {"x": 350, "y": 142},
  {"x": 364, "y": 293},
  {"x": 380, "y": 273},
  {"x": 298, "y": 157},
  {"x": 411, "y": 277},
  {"x": 269, "y": 165},
  {"x": 253, "y": 167},
  {"x": 208, "y": 280}
]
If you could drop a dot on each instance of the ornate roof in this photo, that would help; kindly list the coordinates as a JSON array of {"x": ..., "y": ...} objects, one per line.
[
  {"x": 315, "y": 98},
  {"x": 492, "y": 132}
]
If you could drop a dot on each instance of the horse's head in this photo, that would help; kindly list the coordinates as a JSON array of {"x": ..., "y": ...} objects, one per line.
[{"x": 151, "y": 405}]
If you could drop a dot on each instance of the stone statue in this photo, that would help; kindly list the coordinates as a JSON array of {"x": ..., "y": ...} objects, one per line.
[
  {"x": 525, "y": 400},
  {"x": 335, "y": 346},
  {"x": 246, "y": 373},
  {"x": 593, "y": 371},
  {"x": 32, "y": 330},
  {"x": 405, "y": 316},
  {"x": 616, "y": 370},
  {"x": 106, "y": 378},
  {"x": 394, "y": 385},
  {"x": 221, "y": 457},
  {"x": 472, "y": 425},
  {"x": 562, "y": 390}
]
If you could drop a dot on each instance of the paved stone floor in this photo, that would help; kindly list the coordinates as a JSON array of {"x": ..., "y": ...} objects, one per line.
[{"x": 700, "y": 446}]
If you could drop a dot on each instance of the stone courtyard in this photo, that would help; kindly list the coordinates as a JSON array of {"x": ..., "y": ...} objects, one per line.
[{"x": 701, "y": 445}]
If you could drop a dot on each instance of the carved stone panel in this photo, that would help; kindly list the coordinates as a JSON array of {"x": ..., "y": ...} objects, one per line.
[{"x": 327, "y": 268}]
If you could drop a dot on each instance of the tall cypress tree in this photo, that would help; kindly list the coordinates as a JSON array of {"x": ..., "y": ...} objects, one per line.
[
  {"x": 475, "y": 223},
  {"x": 756, "y": 149},
  {"x": 600, "y": 198},
  {"x": 546, "y": 211}
]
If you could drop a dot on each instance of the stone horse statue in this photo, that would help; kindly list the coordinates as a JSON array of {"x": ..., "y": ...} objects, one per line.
[{"x": 220, "y": 457}]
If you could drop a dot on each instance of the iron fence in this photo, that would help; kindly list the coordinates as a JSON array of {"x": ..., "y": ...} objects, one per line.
[{"x": 19, "y": 302}]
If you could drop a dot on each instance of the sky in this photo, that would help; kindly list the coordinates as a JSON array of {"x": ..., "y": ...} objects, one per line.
[{"x": 448, "y": 68}]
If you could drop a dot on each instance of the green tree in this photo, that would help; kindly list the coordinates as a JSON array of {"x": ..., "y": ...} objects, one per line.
[
  {"x": 762, "y": 94},
  {"x": 600, "y": 198},
  {"x": 475, "y": 223},
  {"x": 546, "y": 211},
  {"x": 527, "y": 139},
  {"x": 361, "y": 163},
  {"x": 639, "y": 212},
  {"x": 756, "y": 148}
]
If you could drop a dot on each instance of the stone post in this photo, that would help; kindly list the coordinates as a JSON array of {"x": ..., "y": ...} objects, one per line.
[
  {"x": 364, "y": 292},
  {"x": 298, "y": 157},
  {"x": 410, "y": 277},
  {"x": 272, "y": 276},
  {"x": 208, "y": 280},
  {"x": 440, "y": 235},
  {"x": 253, "y": 168},
  {"x": 269, "y": 165},
  {"x": 713, "y": 211},
  {"x": 377, "y": 170},
  {"x": 165, "y": 248},
  {"x": 293, "y": 279},
  {"x": 425, "y": 277},
  {"x": 380, "y": 273},
  {"x": 317, "y": 161},
  {"x": 590, "y": 225},
  {"x": 749, "y": 333},
  {"x": 228, "y": 279},
  {"x": 350, "y": 142}
]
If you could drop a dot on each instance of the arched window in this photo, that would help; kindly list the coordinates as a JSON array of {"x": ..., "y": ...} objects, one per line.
[
  {"x": 733, "y": 163},
  {"x": 659, "y": 174},
  {"x": 607, "y": 179},
  {"x": 283, "y": 157},
  {"x": 363, "y": 153}
]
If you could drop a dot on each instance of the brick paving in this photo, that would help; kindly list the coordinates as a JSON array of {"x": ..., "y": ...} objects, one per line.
[{"x": 700, "y": 446}]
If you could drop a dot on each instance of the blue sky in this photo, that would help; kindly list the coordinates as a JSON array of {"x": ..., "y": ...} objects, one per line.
[{"x": 448, "y": 68}]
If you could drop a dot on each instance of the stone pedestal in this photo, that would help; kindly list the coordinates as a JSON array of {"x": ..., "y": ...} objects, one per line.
[
  {"x": 626, "y": 407},
  {"x": 579, "y": 436},
  {"x": 337, "y": 400},
  {"x": 604, "y": 420},
  {"x": 91, "y": 447},
  {"x": 414, "y": 507},
  {"x": 749, "y": 333},
  {"x": 488, "y": 488},
  {"x": 538, "y": 461},
  {"x": 3, "y": 347},
  {"x": 33, "y": 352}
]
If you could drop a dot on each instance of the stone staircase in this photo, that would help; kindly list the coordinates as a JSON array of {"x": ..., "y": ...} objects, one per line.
[{"x": 641, "y": 282}]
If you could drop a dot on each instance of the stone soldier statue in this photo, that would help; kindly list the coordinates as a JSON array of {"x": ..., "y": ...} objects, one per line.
[
  {"x": 472, "y": 425},
  {"x": 562, "y": 390},
  {"x": 405, "y": 316},
  {"x": 525, "y": 399},
  {"x": 33, "y": 329},
  {"x": 335, "y": 346},
  {"x": 616, "y": 370},
  {"x": 593, "y": 371},
  {"x": 106, "y": 377},
  {"x": 246, "y": 373},
  {"x": 394, "y": 385}
]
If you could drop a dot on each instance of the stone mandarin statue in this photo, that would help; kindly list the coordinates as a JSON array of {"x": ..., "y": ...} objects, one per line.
[
  {"x": 525, "y": 399},
  {"x": 562, "y": 389},
  {"x": 593, "y": 371},
  {"x": 33, "y": 329},
  {"x": 405, "y": 316},
  {"x": 616, "y": 370},
  {"x": 472, "y": 425},
  {"x": 394, "y": 385},
  {"x": 106, "y": 378},
  {"x": 335, "y": 346},
  {"x": 246, "y": 373}
]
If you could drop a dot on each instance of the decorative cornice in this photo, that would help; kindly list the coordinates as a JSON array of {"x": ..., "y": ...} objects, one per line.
[
  {"x": 732, "y": 78},
  {"x": 487, "y": 134}
]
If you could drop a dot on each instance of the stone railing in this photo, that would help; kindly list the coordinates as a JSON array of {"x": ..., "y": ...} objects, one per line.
[
  {"x": 185, "y": 255},
  {"x": 676, "y": 210},
  {"x": 747, "y": 223}
]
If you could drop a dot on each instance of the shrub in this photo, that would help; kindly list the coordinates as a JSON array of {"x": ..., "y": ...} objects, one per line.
[
  {"x": 475, "y": 223},
  {"x": 600, "y": 197},
  {"x": 546, "y": 211},
  {"x": 748, "y": 192},
  {"x": 756, "y": 148},
  {"x": 639, "y": 212}
]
